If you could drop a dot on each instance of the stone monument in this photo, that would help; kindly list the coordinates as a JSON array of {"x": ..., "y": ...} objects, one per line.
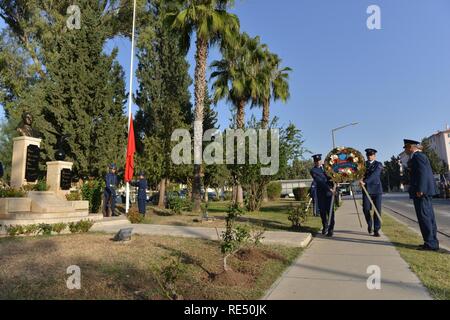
[
  {"x": 26, "y": 154},
  {"x": 59, "y": 172}
]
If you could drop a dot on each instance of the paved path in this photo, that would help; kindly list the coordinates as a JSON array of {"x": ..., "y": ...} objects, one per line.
[
  {"x": 336, "y": 268},
  {"x": 293, "y": 239}
]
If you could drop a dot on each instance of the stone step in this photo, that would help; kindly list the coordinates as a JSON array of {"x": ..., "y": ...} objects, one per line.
[
  {"x": 33, "y": 215},
  {"x": 52, "y": 220},
  {"x": 111, "y": 221}
]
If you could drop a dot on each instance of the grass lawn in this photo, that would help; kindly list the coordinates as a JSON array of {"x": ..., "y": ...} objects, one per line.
[
  {"x": 35, "y": 268},
  {"x": 273, "y": 217},
  {"x": 432, "y": 268}
]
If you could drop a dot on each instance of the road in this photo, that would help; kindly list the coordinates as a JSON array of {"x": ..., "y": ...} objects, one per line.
[{"x": 401, "y": 207}]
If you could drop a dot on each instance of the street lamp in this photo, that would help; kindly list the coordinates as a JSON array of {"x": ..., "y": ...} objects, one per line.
[{"x": 336, "y": 129}]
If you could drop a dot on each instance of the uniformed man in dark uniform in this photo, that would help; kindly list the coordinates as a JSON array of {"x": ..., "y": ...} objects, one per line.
[
  {"x": 372, "y": 182},
  {"x": 324, "y": 190},
  {"x": 422, "y": 188},
  {"x": 109, "y": 194},
  {"x": 142, "y": 192}
]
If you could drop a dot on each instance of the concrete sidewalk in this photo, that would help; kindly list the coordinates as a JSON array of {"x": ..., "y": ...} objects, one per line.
[
  {"x": 336, "y": 268},
  {"x": 292, "y": 239}
]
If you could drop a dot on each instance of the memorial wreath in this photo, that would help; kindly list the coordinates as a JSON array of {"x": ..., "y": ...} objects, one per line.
[{"x": 344, "y": 164}]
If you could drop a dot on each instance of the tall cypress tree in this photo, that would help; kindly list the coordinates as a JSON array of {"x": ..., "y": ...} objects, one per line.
[
  {"x": 163, "y": 96},
  {"x": 85, "y": 97},
  {"x": 72, "y": 85}
]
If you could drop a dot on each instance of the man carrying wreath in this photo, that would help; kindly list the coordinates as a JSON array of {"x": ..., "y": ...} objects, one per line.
[
  {"x": 372, "y": 182},
  {"x": 324, "y": 190}
]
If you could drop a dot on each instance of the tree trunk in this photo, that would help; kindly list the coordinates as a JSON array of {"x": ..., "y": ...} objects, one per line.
[
  {"x": 266, "y": 114},
  {"x": 240, "y": 115},
  {"x": 200, "y": 91},
  {"x": 206, "y": 194},
  {"x": 265, "y": 125},
  {"x": 162, "y": 192},
  {"x": 240, "y": 122}
]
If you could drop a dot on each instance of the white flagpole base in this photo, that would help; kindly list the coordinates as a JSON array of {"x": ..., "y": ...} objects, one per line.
[{"x": 127, "y": 198}]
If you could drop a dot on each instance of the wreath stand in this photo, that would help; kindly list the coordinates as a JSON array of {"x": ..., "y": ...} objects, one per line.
[{"x": 332, "y": 204}]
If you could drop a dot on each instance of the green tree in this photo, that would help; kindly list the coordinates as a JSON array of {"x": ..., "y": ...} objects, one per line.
[
  {"x": 212, "y": 24},
  {"x": 235, "y": 80},
  {"x": 390, "y": 177},
  {"x": 437, "y": 164},
  {"x": 249, "y": 175},
  {"x": 163, "y": 97},
  {"x": 299, "y": 169},
  {"x": 67, "y": 81},
  {"x": 273, "y": 84}
]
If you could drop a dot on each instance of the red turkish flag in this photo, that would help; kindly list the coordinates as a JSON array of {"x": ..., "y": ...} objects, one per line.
[{"x": 131, "y": 149}]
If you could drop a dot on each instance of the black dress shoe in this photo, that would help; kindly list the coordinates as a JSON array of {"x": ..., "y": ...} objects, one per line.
[
  {"x": 424, "y": 247},
  {"x": 376, "y": 234},
  {"x": 369, "y": 230},
  {"x": 330, "y": 234},
  {"x": 324, "y": 231}
]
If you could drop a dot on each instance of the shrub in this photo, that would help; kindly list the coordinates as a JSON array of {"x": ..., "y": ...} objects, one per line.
[
  {"x": 82, "y": 226},
  {"x": 92, "y": 191},
  {"x": 298, "y": 214},
  {"x": 41, "y": 185},
  {"x": 301, "y": 194},
  {"x": 73, "y": 196},
  {"x": 134, "y": 216},
  {"x": 169, "y": 275},
  {"x": 178, "y": 205},
  {"x": 8, "y": 192},
  {"x": 59, "y": 227},
  {"x": 45, "y": 229},
  {"x": 227, "y": 195},
  {"x": 30, "y": 229},
  {"x": 274, "y": 190},
  {"x": 163, "y": 212},
  {"x": 14, "y": 230}
]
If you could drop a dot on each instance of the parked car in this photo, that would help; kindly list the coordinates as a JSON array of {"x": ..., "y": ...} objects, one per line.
[
  {"x": 154, "y": 199},
  {"x": 212, "y": 196}
]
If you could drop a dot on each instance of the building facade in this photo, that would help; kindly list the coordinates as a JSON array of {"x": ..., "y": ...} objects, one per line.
[{"x": 440, "y": 143}]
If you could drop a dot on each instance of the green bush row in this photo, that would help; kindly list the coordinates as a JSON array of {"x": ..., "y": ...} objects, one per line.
[
  {"x": 301, "y": 194},
  {"x": 177, "y": 205},
  {"x": 274, "y": 191},
  {"x": 47, "y": 229}
]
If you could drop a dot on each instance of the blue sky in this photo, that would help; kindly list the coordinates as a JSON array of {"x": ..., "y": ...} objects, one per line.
[{"x": 395, "y": 82}]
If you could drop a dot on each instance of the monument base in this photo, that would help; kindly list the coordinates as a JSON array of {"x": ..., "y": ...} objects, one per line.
[
  {"x": 54, "y": 169},
  {"x": 43, "y": 207},
  {"x": 19, "y": 160}
]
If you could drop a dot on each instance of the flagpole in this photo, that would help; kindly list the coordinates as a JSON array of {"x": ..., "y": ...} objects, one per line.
[{"x": 130, "y": 98}]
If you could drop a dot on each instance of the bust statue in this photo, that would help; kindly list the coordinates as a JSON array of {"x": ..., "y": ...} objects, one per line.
[{"x": 26, "y": 129}]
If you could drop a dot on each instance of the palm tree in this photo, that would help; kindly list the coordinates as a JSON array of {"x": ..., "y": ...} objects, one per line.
[
  {"x": 212, "y": 24},
  {"x": 236, "y": 77},
  {"x": 274, "y": 85}
]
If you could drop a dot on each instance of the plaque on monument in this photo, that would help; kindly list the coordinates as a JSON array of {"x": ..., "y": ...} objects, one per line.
[
  {"x": 66, "y": 179},
  {"x": 32, "y": 163}
]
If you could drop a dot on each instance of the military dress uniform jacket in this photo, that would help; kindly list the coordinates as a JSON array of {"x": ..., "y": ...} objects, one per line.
[
  {"x": 142, "y": 186},
  {"x": 111, "y": 183},
  {"x": 421, "y": 176},
  {"x": 372, "y": 178},
  {"x": 323, "y": 182}
]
